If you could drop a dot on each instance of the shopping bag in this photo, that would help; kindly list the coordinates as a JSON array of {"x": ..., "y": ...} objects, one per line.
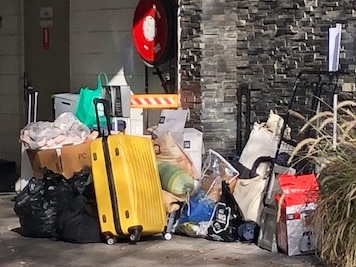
[
  {"x": 226, "y": 218},
  {"x": 299, "y": 189},
  {"x": 85, "y": 110}
]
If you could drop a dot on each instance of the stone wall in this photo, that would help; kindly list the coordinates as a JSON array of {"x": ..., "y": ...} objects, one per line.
[
  {"x": 219, "y": 76},
  {"x": 190, "y": 58},
  {"x": 263, "y": 44},
  {"x": 278, "y": 39}
]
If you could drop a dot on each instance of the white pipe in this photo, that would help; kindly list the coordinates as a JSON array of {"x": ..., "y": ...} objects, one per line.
[
  {"x": 29, "y": 108},
  {"x": 21, "y": 44},
  {"x": 179, "y": 28},
  {"x": 317, "y": 112},
  {"x": 335, "y": 122},
  {"x": 35, "y": 106}
]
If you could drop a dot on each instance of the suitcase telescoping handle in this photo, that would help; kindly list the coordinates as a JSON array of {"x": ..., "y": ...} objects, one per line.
[
  {"x": 106, "y": 104},
  {"x": 32, "y": 106}
]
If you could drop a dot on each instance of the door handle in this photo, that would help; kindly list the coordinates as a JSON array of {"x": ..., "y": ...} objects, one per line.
[{"x": 27, "y": 86}]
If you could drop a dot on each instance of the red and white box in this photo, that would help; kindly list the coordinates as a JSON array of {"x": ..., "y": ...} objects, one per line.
[{"x": 295, "y": 208}]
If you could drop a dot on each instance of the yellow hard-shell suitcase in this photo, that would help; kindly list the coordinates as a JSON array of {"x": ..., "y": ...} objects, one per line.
[{"x": 127, "y": 187}]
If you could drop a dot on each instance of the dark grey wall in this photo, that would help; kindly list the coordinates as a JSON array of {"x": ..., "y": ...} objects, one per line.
[
  {"x": 190, "y": 59},
  {"x": 263, "y": 44}
]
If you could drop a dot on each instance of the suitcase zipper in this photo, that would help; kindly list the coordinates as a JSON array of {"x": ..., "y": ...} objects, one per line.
[
  {"x": 109, "y": 173},
  {"x": 110, "y": 177}
]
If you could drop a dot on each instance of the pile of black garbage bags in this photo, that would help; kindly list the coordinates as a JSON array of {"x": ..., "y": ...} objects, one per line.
[{"x": 59, "y": 208}]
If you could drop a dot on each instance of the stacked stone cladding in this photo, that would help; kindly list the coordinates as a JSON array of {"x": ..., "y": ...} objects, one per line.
[{"x": 262, "y": 44}]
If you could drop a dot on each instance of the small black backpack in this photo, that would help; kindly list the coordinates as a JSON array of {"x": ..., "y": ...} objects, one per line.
[{"x": 248, "y": 232}]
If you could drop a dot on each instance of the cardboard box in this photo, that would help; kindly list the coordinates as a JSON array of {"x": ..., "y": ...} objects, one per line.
[
  {"x": 173, "y": 121},
  {"x": 65, "y": 160},
  {"x": 193, "y": 146}
]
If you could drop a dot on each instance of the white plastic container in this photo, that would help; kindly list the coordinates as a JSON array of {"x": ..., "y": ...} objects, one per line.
[
  {"x": 193, "y": 146},
  {"x": 66, "y": 102}
]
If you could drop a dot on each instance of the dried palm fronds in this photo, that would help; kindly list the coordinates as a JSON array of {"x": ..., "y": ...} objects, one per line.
[
  {"x": 335, "y": 217},
  {"x": 319, "y": 116}
]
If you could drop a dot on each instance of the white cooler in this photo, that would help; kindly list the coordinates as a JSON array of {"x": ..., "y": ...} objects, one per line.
[{"x": 66, "y": 102}]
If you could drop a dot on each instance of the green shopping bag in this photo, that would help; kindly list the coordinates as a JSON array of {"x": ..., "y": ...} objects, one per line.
[{"x": 85, "y": 110}]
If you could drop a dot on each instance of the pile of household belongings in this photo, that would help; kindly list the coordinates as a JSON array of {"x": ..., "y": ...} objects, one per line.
[
  {"x": 201, "y": 199},
  {"x": 224, "y": 203},
  {"x": 218, "y": 202},
  {"x": 59, "y": 203},
  {"x": 206, "y": 205}
]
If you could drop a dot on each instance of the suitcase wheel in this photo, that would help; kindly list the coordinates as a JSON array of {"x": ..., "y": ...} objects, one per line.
[
  {"x": 110, "y": 240},
  {"x": 167, "y": 236},
  {"x": 135, "y": 234},
  {"x": 135, "y": 237}
]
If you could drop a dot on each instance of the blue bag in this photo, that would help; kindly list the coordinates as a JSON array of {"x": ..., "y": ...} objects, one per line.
[{"x": 200, "y": 209}]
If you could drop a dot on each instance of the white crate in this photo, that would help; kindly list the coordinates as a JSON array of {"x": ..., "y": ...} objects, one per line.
[{"x": 193, "y": 146}]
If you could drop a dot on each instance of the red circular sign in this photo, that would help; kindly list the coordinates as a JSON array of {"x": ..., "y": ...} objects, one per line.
[{"x": 150, "y": 30}]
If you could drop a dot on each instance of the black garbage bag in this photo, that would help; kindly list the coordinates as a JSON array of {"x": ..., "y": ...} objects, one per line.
[
  {"x": 79, "y": 220},
  {"x": 39, "y": 203},
  {"x": 227, "y": 217},
  {"x": 78, "y": 182}
]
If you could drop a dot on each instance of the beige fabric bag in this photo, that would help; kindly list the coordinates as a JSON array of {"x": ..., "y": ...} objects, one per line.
[
  {"x": 249, "y": 195},
  {"x": 171, "y": 202},
  {"x": 261, "y": 143},
  {"x": 249, "y": 192}
]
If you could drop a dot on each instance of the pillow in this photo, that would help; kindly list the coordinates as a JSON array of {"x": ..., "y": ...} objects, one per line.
[{"x": 175, "y": 180}]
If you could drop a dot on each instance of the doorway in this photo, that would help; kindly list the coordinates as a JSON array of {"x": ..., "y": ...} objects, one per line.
[{"x": 46, "y": 51}]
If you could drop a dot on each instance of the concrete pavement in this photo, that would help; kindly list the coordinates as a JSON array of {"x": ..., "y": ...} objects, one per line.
[{"x": 16, "y": 250}]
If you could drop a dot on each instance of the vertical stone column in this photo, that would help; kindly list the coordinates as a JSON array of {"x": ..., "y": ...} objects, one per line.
[
  {"x": 190, "y": 59},
  {"x": 218, "y": 75}
]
